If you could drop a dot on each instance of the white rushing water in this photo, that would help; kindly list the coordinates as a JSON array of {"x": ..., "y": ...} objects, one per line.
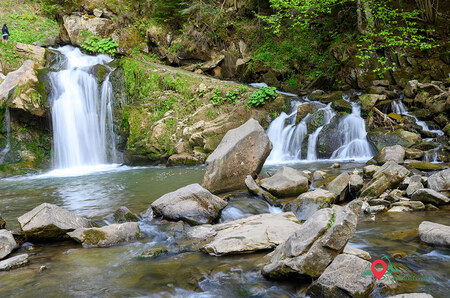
[
  {"x": 7, "y": 125},
  {"x": 312, "y": 140},
  {"x": 81, "y": 113}
]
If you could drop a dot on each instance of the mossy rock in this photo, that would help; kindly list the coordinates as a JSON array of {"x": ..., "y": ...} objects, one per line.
[
  {"x": 93, "y": 237},
  {"x": 423, "y": 165},
  {"x": 317, "y": 120},
  {"x": 425, "y": 146},
  {"x": 153, "y": 252},
  {"x": 100, "y": 72},
  {"x": 396, "y": 117},
  {"x": 342, "y": 105},
  {"x": 381, "y": 138},
  {"x": 326, "y": 98}
]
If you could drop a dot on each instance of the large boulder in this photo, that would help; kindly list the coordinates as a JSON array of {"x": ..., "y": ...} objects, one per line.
[
  {"x": 411, "y": 88},
  {"x": 339, "y": 186},
  {"x": 303, "y": 110},
  {"x": 309, "y": 202},
  {"x": 19, "y": 90},
  {"x": 255, "y": 189},
  {"x": 381, "y": 138},
  {"x": 387, "y": 176},
  {"x": 368, "y": 101},
  {"x": 7, "y": 243},
  {"x": 30, "y": 51},
  {"x": 426, "y": 195},
  {"x": 434, "y": 233},
  {"x": 245, "y": 235},
  {"x": 106, "y": 236},
  {"x": 192, "y": 204},
  {"x": 49, "y": 222},
  {"x": 13, "y": 262},
  {"x": 76, "y": 26},
  {"x": 123, "y": 214},
  {"x": 354, "y": 251},
  {"x": 415, "y": 183},
  {"x": 241, "y": 152},
  {"x": 310, "y": 249},
  {"x": 343, "y": 279},
  {"x": 440, "y": 181},
  {"x": 286, "y": 182},
  {"x": 391, "y": 153}
]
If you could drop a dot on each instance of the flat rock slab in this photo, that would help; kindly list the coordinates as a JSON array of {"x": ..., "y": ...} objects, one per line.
[
  {"x": 343, "y": 278},
  {"x": 13, "y": 262},
  {"x": 426, "y": 195},
  {"x": 192, "y": 204},
  {"x": 7, "y": 243},
  {"x": 106, "y": 236},
  {"x": 434, "y": 233},
  {"x": 48, "y": 221},
  {"x": 351, "y": 250},
  {"x": 412, "y": 295},
  {"x": 391, "y": 153},
  {"x": 255, "y": 189},
  {"x": 286, "y": 182},
  {"x": 245, "y": 235}
]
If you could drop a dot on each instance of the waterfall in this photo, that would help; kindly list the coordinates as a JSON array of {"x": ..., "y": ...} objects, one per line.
[
  {"x": 353, "y": 131},
  {"x": 312, "y": 140},
  {"x": 7, "y": 125},
  {"x": 81, "y": 112}
]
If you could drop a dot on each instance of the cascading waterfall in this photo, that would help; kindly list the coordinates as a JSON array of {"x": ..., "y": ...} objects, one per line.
[
  {"x": 353, "y": 131},
  {"x": 312, "y": 140},
  {"x": 7, "y": 125},
  {"x": 81, "y": 112}
]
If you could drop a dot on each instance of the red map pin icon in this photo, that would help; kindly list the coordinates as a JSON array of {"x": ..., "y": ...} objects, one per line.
[{"x": 378, "y": 274}]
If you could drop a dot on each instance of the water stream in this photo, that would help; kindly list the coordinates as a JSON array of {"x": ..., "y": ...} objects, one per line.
[{"x": 7, "y": 126}]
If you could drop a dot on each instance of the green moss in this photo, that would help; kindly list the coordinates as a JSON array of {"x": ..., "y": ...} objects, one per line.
[{"x": 93, "y": 236}]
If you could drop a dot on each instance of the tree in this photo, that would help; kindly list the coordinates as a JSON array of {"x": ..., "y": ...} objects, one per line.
[{"x": 429, "y": 9}]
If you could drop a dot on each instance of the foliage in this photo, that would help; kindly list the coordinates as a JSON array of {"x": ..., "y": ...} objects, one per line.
[
  {"x": 230, "y": 97},
  {"x": 261, "y": 95},
  {"x": 9, "y": 58},
  {"x": 95, "y": 44}
]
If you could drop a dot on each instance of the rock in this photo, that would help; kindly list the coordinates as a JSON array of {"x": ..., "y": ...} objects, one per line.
[
  {"x": 97, "y": 12},
  {"x": 411, "y": 88},
  {"x": 376, "y": 209},
  {"x": 351, "y": 250},
  {"x": 440, "y": 181},
  {"x": 123, "y": 214},
  {"x": 343, "y": 279},
  {"x": 106, "y": 236},
  {"x": 153, "y": 252},
  {"x": 375, "y": 202},
  {"x": 414, "y": 184},
  {"x": 254, "y": 233},
  {"x": 368, "y": 101},
  {"x": 13, "y": 262},
  {"x": 48, "y": 221},
  {"x": 183, "y": 159},
  {"x": 335, "y": 166},
  {"x": 339, "y": 186},
  {"x": 381, "y": 138},
  {"x": 76, "y": 25},
  {"x": 392, "y": 153},
  {"x": 384, "y": 83},
  {"x": 413, "y": 153},
  {"x": 286, "y": 182},
  {"x": 388, "y": 176},
  {"x": 2, "y": 222},
  {"x": 313, "y": 246},
  {"x": 241, "y": 152},
  {"x": 370, "y": 170},
  {"x": 303, "y": 110},
  {"x": 342, "y": 105},
  {"x": 192, "y": 204},
  {"x": 19, "y": 91},
  {"x": 434, "y": 233},
  {"x": 423, "y": 165},
  {"x": 426, "y": 195},
  {"x": 213, "y": 63},
  {"x": 395, "y": 196},
  {"x": 414, "y": 205},
  {"x": 356, "y": 183},
  {"x": 319, "y": 95},
  {"x": 412, "y": 295},
  {"x": 309, "y": 202},
  {"x": 431, "y": 207},
  {"x": 33, "y": 52},
  {"x": 399, "y": 209},
  {"x": 258, "y": 191},
  {"x": 7, "y": 243},
  {"x": 319, "y": 175}
]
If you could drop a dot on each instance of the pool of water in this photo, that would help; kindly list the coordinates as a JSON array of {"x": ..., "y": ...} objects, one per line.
[{"x": 117, "y": 271}]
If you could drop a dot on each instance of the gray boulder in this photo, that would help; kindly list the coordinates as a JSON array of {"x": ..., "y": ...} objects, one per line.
[
  {"x": 355, "y": 184},
  {"x": 255, "y": 189},
  {"x": 434, "y": 233},
  {"x": 351, "y": 250},
  {"x": 343, "y": 279},
  {"x": 106, "y": 236},
  {"x": 2, "y": 222},
  {"x": 440, "y": 181},
  {"x": 123, "y": 214},
  {"x": 391, "y": 153},
  {"x": 286, "y": 182},
  {"x": 309, "y": 202},
  {"x": 48, "y": 221},
  {"x": 426, "y": 195},
  {"x": 312, "y": 247},
  {"x": 241, "y": 152},
  {"x": 7, "y": 243},
  {"x": 192, "y": 204},
  {"x": 411, "y": 88},
  {"x": 339, "y": 186},
  {"x": 414, "y": 205},
  {"x": 13, "y": 262},
  {"x": 414, "y": 184},
  {"x": 245, "y": 235},
  {"x": 412, "y": 295},
  {"x": 370, "y": 170},
  {"x": 386, "y": 177}
]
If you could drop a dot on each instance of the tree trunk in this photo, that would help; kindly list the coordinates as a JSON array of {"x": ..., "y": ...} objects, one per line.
[
  {"x": 369, "y": 17},
  {"x": 429, "y": 9},
  {"x": 359, "y": 16}
]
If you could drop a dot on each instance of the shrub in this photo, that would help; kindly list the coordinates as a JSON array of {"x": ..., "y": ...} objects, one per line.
[
  {"x": 100, "y": 46},
  {"x": 260, "y": 96}
]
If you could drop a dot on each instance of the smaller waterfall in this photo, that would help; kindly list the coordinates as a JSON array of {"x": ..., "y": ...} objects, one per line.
[
  {"x": 7, "y": 125},
  {"x": 353, "y": 130},
  {"x": 312, "y": 140}
]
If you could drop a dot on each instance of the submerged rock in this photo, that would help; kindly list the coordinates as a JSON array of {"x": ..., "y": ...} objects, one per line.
[
  {"x": 391, "y": 153},
  {"x": 245, "y": 235},
  {"x": 123, "y": 214},
  {"x": 343, "y": 278},
  {"x": 286, "y": 182},
  {"x": 106, "y": 236},
  {"x": 13, "y": 262},
  {"x": 192, "y": 204},
  {"x": 426, "y": 195},
  {"x": 312, "y": 247},
  {"x": 386, "y": 177},
  {"x": 153, "y": 252},
  {"x": 7, "y": 243},
  {"x": 434, "y": 233},
  {"x": 2, "y": 222},
  {"x": 255, "y": 189},
  {"x": 241, "y": 152},
  {"x": 50, "y": 222}
]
